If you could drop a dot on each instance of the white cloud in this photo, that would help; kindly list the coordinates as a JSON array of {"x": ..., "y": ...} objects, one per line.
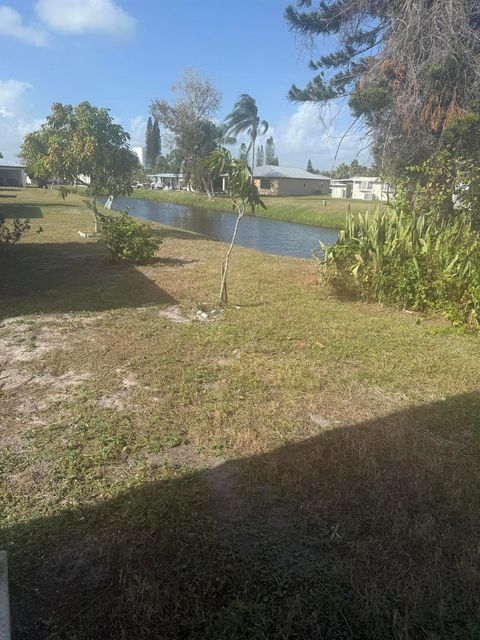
[
  {"x": 86, "y": 16},
  {"x": 304, "y": 135},
  {"x": 16, "y": 119},
  {"x": 11, "y": 24}
]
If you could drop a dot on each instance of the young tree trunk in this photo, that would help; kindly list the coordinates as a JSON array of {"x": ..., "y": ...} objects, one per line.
[
  {"x": 95, "y": 214},
  {"x": 223, "y": 287}
]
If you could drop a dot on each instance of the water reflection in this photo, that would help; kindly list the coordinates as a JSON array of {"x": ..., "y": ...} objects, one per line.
[{"x": 270, "y": 236}]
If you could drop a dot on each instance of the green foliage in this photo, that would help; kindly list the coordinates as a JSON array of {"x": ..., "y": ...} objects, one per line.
[
  {"x": 80, "y": 142},
  {"x": 153, "y": 146},
  {"x": 128, "y": 239},
  {"x": 260, "y": 156},
  {"x": 413, "y": 261},
  {"x": 243, "y": 192},
  {"x": 9, "y": 234},
  {"x": 405, "y": 69},
  {"x": 245, "y": 119},
  {"x": 270, "y": 154}
]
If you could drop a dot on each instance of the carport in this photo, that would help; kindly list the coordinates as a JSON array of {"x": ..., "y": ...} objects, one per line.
[{"x": 12, "y": 174}]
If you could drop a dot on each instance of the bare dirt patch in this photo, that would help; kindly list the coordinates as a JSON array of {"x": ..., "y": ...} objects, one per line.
[
  {"x": 25, "y": 339},
  {"x": 123, "y": 396}
]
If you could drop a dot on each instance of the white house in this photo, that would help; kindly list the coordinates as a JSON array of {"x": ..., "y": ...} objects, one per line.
[
  {"x": 170, "y": 180},
  {"x": 12, "y": 174},
  {"x": 363, "y": 188},
  {"x": 341, "y": 188},
  {"x": 288, "y": 181},
  {"x": 371, "y": 189}
]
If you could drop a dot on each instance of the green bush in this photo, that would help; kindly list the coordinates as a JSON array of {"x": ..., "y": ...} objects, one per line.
[
  {"x": 413, "y": 261},
  {"x": 9, "y": 234},
  {"x": 128, "y": 240}
]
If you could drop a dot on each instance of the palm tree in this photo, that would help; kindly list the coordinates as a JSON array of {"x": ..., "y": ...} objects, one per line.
[{"x": 244, "y": 119}]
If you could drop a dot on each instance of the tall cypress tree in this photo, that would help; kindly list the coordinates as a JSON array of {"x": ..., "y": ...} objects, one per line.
[
  {"x": 270, "y": 157},
  {"x": 156, "y": 142},
  {"x": 149, "y": 161},
  {"x": 260, "y": 156},
  {"x": 310, "y": 167}
]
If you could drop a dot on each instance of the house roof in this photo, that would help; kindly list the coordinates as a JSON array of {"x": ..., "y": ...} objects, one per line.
[
  {"x": 366, "y": 178},
  {"x": 271, "y": 171},
  {"x": 11, "y": 164}
]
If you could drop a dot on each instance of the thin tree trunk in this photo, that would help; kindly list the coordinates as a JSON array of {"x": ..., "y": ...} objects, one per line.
[
  {"x": 223, "y": 286},
  {"x": 95, "y": 214},
  {"x": 254, "y": 139}
]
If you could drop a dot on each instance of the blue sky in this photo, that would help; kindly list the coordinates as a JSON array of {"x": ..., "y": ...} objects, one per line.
[{"x": 123, "y": 53}]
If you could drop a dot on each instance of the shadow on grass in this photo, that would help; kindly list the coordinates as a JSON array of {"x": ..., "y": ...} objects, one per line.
[
  {"x": 367, "y": 531},
  {"x": 48, "y": 278},
  {"x": 15, "y": 211}
]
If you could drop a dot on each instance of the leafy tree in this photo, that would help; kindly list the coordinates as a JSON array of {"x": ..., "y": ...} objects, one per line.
[
  {"x": 310, "y": 166},
  {"x": 244, "y": 195},
  {"x": 245, "y": 119},
  {"x": 406, "y": 68},
  {"x": 260, "y": 156},
  {"x": 82, "y": 144},
  {"x": 188, "y": 120},
  {"x": 270, "y": 155}
]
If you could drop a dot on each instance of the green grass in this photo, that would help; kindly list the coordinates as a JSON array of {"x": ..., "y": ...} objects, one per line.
[
  {"x": 301, "y": 467},
  {"x": 321, "y": 211}
]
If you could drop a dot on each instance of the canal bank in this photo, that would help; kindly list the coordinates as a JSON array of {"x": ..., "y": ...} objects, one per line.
[
  {"x": 317, "y": 211},
  {"x": 270, "y": 236}
]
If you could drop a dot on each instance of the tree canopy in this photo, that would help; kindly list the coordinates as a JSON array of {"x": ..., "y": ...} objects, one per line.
[
  {"x": 189, "y": 122},
  {"x": 82, "y": 144},
  {"x": 244, "y": 118},
  {"x": 405, "y": 68}
]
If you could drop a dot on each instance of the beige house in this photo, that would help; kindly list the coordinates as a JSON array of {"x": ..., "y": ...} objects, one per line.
[{"x": 287, "y": 181}]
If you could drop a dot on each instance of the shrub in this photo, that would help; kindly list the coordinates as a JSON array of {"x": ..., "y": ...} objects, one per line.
[
  {"x": 414, "y": 261},
  {"x": 9, "y": 234},
  {"x": 128, "y": 239}
]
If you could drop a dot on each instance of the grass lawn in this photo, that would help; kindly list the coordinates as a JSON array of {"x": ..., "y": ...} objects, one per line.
[
  {"x": 321, "y": 211},
  {"x": 297, "y": 466}
]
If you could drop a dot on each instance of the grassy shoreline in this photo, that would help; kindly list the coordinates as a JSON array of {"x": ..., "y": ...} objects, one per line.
[
  {"x": 308, "y": 210},
  {"x": 293, "y": 466}
]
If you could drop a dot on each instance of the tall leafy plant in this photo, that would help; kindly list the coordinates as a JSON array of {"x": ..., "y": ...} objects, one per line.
[{"x": 244, "y": 196}]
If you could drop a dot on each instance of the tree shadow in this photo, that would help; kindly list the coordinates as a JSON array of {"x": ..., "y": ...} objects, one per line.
[
  {"x": 50, "y": 277},
  {"x": 15, "y": 211},
  {"x": 365, "y": 531}
]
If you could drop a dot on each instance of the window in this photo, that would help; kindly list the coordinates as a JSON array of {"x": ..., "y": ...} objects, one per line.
[
  {"x": 265, "y": 183},
  {"x": 368, "y": 196},
  {"x": 366, "y": 186}
]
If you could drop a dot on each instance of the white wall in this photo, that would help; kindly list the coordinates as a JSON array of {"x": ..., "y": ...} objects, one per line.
[{"x": 371, "y": 189}]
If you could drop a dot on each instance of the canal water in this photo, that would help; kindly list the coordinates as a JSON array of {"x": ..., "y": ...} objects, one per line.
[{"x": 263, "y": 234}]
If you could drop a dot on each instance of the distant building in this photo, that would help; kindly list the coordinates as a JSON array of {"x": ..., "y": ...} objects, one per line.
[
  {"x": 12, "y": 174},
  {"x": 168, "y": 180},
  {"x": 363, "y": 188},
  {"x": 140, "y": 153},
  {"x": 288, "y": 181},
  {"x": 341, "y": 188}
]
